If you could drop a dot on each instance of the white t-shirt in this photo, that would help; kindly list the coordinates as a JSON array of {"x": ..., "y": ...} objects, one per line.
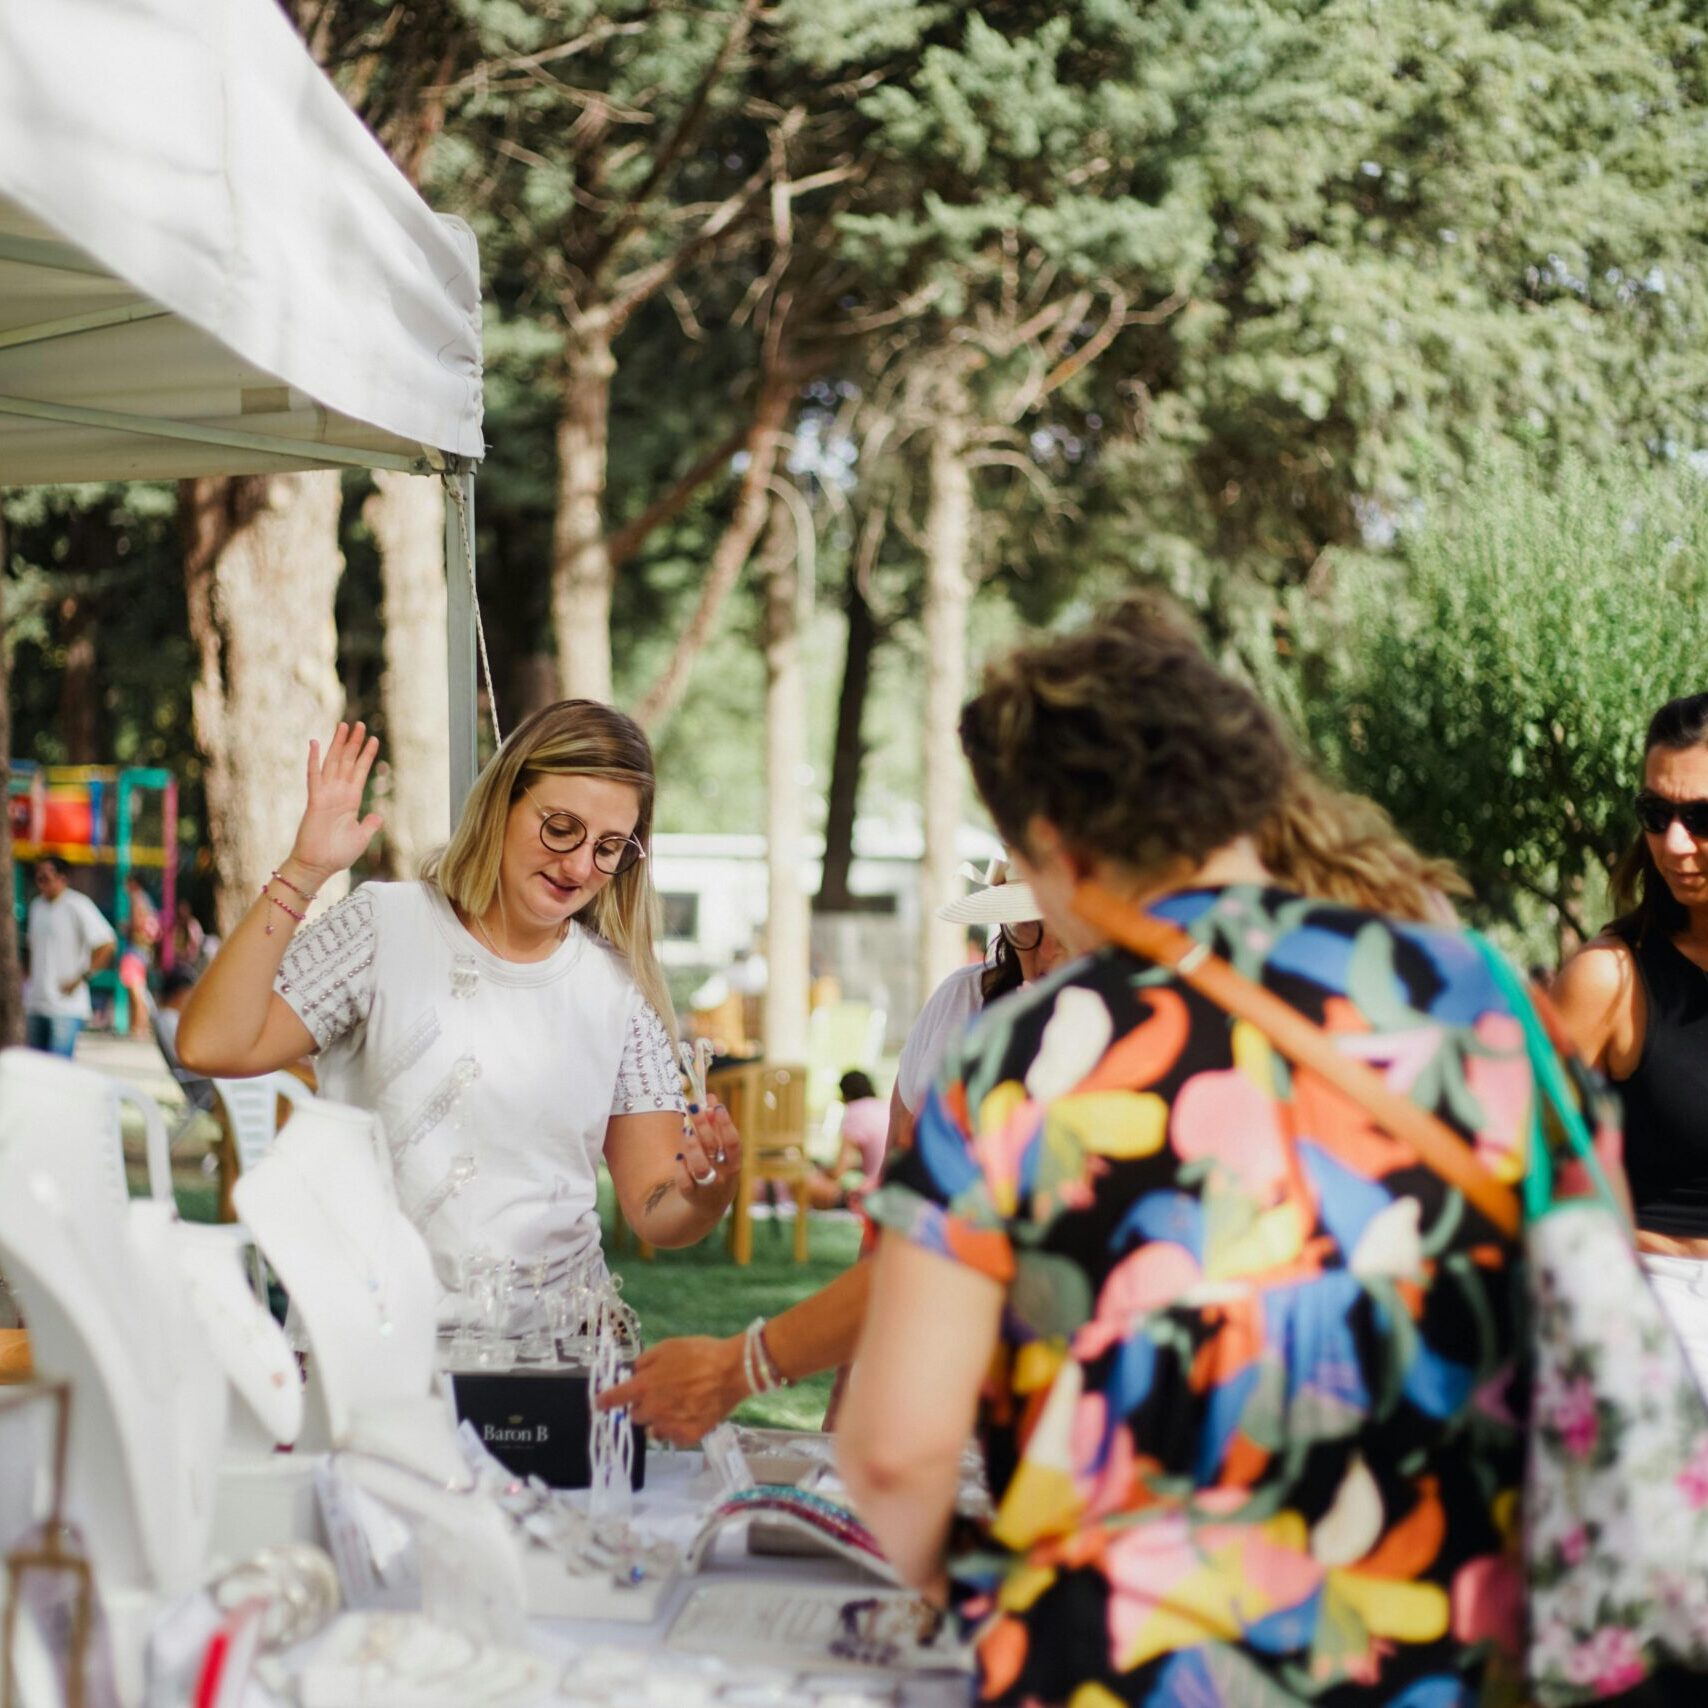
[
  {"x": 464, "y": 1056},
  {"x": 941, "y": 1021},
  {"x": 64, "y": 934}
]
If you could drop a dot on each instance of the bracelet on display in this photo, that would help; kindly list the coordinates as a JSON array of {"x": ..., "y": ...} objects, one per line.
[{"x": 757, "y": 1364}]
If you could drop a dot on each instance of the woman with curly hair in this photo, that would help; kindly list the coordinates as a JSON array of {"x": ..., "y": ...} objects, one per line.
[{"x": 1232, "y": 1351}]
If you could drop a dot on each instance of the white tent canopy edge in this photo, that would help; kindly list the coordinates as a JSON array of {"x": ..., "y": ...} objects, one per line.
[{"x": 209, "y": 266}]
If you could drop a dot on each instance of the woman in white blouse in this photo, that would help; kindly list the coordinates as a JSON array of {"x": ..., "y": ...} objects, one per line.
[{"x": 504, "y": 1015}]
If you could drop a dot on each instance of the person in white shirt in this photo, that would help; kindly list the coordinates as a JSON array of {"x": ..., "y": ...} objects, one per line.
[
  {"x": 69, "y": 941},
  {"x": 505, "y": 1015}
]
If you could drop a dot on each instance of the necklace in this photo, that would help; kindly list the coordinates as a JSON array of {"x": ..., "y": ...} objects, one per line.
[
  {"x": 480, "y": 926},
  {"x": 261, "y": 1339},
  {"x": 356, "y": 1254}
]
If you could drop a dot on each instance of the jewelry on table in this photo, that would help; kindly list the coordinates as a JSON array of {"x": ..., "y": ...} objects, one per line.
[
  {"x": 298, "y": 1582},
  {"x": 611, "y": 1439}
]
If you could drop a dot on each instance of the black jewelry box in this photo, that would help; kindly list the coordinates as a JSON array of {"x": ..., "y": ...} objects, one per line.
[{"x": 536, "y": 1422}]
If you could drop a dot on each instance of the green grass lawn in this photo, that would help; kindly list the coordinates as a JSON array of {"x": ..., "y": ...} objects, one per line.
[
  {"x": 697, "y": 1291},
  {"x": 700, "y": 1291}
]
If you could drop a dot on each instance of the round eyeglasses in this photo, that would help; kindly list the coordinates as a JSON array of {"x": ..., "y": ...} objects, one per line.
[
  {"x": 1027, "y": 935},
  {"x": 563, "y": 833}
]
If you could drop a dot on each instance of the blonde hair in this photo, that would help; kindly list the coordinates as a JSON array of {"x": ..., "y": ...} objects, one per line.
[
  {"x": 570, "y": 738},
  {"x": 1336, "y": 846}
]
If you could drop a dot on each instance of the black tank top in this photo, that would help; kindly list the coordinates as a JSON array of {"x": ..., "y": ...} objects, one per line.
[{"x": 1666, "y": 1097}]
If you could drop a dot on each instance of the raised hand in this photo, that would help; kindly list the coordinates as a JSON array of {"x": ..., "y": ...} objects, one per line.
[{"x": 333, "y": 834}]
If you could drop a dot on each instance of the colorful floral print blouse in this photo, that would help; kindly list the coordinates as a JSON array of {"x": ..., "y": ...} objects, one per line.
[{"x": 1254, "y": 1431}]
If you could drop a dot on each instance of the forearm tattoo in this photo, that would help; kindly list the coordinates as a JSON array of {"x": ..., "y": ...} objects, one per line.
[{"x": 657, "y": 1195}]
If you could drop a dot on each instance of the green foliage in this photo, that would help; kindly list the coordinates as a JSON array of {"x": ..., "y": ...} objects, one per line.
[{"x": 1492, "y": 688}]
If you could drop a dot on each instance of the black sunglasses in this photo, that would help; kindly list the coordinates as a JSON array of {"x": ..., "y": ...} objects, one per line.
[
  {"x": 1026, "y": 935},
  {"x": 563, "y": 833},
  {"x": 1655, "y": 813}
]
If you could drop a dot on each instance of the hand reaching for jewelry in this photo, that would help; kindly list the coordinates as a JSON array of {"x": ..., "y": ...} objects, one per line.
[
  {"x": 333, "y": 834},
  {"x": 680, "y": 1389}
]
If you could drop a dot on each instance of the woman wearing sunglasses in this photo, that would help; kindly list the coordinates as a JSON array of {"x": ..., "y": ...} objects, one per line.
[
  {"x": 504, "y": 1015},
  {"x": 1636, "y": 999}
]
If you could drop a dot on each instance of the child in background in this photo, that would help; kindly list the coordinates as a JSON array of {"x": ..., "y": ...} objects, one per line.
[{"x": 865, "y": 1128}]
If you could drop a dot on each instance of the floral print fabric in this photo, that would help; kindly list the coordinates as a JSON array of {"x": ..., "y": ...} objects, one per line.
[{"x": 1255, "y": 1434}]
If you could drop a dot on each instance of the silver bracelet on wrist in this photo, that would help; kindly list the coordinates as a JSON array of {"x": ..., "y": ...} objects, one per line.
[{"x": 757, "y": 1364}]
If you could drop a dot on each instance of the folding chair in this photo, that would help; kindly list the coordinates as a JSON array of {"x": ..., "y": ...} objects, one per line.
[{"x": 768, "y": 1105}]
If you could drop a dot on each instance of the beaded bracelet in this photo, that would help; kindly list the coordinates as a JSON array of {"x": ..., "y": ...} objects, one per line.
[
  {"x": 284, "y": 907},
  {"x": 304, "y": 896}
]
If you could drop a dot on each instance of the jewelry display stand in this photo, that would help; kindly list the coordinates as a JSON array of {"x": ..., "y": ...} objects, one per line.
[
  {"x": 99, "y": 1286},
  {"x": 263, "y": 1497},
  {"x": 326, "y": 1216}
]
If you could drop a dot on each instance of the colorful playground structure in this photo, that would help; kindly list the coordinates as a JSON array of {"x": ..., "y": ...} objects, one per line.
[{"x": 110, "y": 821}]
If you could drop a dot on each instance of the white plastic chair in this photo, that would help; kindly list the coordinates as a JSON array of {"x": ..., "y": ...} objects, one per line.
[
  {"x": 156, "y": 1147},
  {"x": 252, "y": 1108}
]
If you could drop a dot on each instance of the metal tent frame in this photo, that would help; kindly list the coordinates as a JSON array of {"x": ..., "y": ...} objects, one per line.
[{"x": 208, "y": 266}]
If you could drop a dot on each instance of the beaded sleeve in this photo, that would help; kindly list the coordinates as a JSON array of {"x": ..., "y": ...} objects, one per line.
[
  {"x": 327, "y": 975},
  {"x": 648, "y": 1079}
]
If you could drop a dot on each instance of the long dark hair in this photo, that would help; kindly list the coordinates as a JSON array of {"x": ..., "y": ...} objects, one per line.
[
  {"x": 1642, "y": 902},
  {"x": 1001, "y": 970}
]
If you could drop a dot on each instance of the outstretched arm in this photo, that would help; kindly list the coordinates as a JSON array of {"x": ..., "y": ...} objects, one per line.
[{"x": 683, "y": 1388}]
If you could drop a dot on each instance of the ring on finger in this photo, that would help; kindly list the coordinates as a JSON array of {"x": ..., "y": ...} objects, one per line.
[
  {"x": 718, "y": 1155},
  {"x": 705, "y": 1179}
]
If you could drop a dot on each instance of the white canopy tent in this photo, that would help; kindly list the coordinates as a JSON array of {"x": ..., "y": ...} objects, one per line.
[{"x": 209, "y": 266}]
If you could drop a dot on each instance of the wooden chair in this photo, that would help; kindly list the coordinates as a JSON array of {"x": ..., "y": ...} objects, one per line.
[{"x": 768, "y": 1104}]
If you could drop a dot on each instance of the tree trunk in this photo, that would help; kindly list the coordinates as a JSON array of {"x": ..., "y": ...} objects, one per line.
[
  {"x": 407, "y": 516},
  {"x": 581, "y": 564},
  {"x": 849, "y": 757},
  {"x": 11, "y": 979},
  {"x": 788, "y": 930},
  {"x": 261, "y": 569},
  {"x": 79, "y": 686},
  {"x": 734, "y": 547},
  {"x": 948, "y": 598}
]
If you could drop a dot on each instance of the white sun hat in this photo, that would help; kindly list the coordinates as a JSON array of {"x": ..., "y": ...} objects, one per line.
[{"x": 1001, "y": 900}]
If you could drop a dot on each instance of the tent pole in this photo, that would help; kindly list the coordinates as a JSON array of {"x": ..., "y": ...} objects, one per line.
[{"x": 459, "y": 632}]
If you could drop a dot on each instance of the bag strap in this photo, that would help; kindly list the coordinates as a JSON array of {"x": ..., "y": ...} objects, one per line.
[{"x": 1304, "y": 1043}]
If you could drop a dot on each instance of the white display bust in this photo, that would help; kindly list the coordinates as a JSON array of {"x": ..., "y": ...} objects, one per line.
[
  {"x": 325, "y": 1213},
  {"x": 248, "y": 1344},
  {"x": 99, "y": 1287}
]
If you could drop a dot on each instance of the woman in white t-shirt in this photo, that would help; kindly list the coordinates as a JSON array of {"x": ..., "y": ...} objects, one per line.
[{"x": 504, "y": 1015}]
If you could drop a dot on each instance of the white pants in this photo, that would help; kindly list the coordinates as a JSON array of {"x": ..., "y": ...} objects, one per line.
[{"x": 1681, "y": 1285}]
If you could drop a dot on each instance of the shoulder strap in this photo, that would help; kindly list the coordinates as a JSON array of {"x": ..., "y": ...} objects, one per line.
[{"x": 1303, "y": 1042}]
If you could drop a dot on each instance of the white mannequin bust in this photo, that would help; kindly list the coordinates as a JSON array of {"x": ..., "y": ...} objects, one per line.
[
  {"x": 359, "y": 1276},
  {"x": 248, "y": 1344},
  {"x": 99, "y": 1287}
]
